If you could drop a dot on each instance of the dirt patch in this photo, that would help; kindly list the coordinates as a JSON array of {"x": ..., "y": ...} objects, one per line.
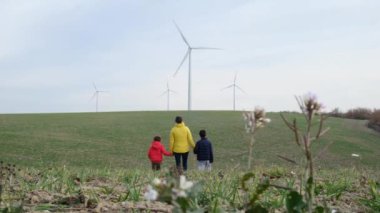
[{"x": 43, "y": 201}]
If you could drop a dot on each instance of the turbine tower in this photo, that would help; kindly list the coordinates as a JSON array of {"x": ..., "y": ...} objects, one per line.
[
  {"x": 167, "y": 92},
  {"x": 96, "y": 95},
  {"x": 188, "y": 55},
  {"x": 234, "y": 86}
]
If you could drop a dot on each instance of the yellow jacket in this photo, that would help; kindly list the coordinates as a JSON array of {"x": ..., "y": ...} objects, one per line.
[{"x": 180, "y": 139}]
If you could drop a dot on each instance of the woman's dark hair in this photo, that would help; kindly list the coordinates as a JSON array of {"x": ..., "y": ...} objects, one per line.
[
  {"x": 178, "y": 119},
  {"x": 157, "y": 138},
  {"x": 202, "y": 133}
]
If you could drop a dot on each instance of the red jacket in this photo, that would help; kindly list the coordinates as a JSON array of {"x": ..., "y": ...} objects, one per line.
[{"x": 155, "y": 152}]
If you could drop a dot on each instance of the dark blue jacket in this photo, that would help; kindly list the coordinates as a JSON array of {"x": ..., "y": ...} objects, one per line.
[{"x": 203, "y": 150}]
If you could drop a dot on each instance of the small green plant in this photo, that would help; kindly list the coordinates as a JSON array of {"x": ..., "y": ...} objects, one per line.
[
  {"x": 374, "y": 201},
  {"x": 254, "y": 120},
  {"x": 252, "y": 205}
]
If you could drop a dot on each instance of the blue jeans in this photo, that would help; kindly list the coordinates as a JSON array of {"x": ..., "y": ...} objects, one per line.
[{"x": 178, "y": 157}]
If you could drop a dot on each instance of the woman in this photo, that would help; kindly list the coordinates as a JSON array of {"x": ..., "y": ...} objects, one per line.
[{"x": 180, "y": 142}]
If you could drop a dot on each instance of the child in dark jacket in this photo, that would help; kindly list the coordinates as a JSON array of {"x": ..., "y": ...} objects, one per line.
[
  {"x": 155, "y": 152},
  {"x": 203, "y": 150}
]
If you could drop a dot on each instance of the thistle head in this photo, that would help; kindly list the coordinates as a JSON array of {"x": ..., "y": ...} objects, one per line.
[
  {"x": 255, "y": 119},
  {"x": 309, "y": 104}
]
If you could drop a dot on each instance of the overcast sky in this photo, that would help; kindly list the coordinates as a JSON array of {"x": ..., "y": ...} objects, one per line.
[{"x": 51, "y": 52}]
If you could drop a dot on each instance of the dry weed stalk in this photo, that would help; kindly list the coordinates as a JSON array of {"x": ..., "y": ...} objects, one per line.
[
  {"x": 253, "y": 121},
  {"x": 310, "y": 108}
]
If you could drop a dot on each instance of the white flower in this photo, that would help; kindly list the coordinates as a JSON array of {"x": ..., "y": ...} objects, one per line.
[
  {"x": 179, "y": 193},
  {"x": 184, "y": 184},
  {"x": 355, "y": 155},
  {"x": 150, "y": 194},
  {"x": 267, "y": 120},
  {"x": 156, "y": 181}
]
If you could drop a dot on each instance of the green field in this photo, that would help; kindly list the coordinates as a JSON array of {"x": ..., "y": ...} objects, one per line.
[
  {"x": 121, "y": 139},
  {"x": 106, "y": 152}
]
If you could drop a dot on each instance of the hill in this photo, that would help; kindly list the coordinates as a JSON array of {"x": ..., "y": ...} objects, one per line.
[{"x": 121, "y": 139}]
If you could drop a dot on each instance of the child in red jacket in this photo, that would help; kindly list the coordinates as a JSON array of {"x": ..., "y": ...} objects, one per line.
[{"x": 155, "y": 152}]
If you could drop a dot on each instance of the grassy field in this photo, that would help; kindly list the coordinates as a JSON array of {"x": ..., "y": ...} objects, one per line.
[
  {"x": 97, "y": 162},
  {"x": 120, "y": 140}
]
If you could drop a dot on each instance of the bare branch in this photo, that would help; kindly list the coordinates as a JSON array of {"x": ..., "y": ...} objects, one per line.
[
  {"x": 296, "y": 134},
  {"x": 321, "y": 120},
  {"x": 306, "y": 142},
  {"x": 287, "y": 159},
  {"x": 324, "y": 131},
  {"x": 280, "y": 187},
  {"x": 323, "y": 150},
  {"x": 287, "y": 122},
  {"x": 301, "y": 105}
]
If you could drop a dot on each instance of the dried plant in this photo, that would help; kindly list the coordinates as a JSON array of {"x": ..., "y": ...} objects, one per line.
[
  {"x": 254, "y": 120},
  {"x": 310, "y": 108}
]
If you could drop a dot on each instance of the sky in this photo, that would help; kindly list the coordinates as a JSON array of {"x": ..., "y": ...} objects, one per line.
[{"x": 52, "y": 52}]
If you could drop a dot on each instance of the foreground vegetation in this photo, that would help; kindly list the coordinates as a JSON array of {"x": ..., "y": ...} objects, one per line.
[{"x": 64, "y": 189}]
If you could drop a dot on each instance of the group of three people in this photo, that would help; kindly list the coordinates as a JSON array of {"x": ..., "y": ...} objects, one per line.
[{"x": 180, "y": 143}]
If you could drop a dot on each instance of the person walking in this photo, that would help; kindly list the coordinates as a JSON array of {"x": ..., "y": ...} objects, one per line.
[
  {"x": 180, "y": 142},
  {"x": 155, "y": 152},
  {"x": 203, "y": 150}
]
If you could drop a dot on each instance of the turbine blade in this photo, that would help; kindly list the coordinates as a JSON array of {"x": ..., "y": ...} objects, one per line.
[
  {"x": 96, "y": 89},
  {"x": 240, "y": 89},
  {"x": 206, "y": 48},
  {"x": 183, "y": 60},
  {"x": 173, "y": 91},
  {"x": 235, "y": 77},
  {"x": 166, "y": 91},
  {"x": 180, "y": 32},
  {"x": 227, "y": 87}
]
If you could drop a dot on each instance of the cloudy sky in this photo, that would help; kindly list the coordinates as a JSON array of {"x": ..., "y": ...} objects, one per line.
[{"x": 52, "y": 51}]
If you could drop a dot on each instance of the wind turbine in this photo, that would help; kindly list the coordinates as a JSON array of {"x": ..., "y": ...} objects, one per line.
[
  {"x": 188, "y": 55},
  {"x": 96, "y": 95},
  {"x": 167, "y": 92},
  {"x": 234, "y": 86}
]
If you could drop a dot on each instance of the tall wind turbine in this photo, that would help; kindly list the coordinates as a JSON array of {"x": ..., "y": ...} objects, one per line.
[
  {"x": 188, "y": 55},
  {"x": 167, "y": 92},
  {"x": 234, "y": 86},
  {"x": 96, "y": 95}
]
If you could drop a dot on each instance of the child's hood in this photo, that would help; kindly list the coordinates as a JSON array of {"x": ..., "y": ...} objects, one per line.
[{"x": 156, "y": 145}]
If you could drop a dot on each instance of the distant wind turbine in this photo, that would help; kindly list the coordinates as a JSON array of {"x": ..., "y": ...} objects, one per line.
[
  {"x": 96, "y": 95},
  {"x": 188, "y": 55},
  {"x": 234, "y": 86},
  {"x": 167, "y": 92}
]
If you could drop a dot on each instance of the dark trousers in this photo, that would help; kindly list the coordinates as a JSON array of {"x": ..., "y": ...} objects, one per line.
[
  {"x": 156, "y": 166},
  {"x": 178, "y": 157}
]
